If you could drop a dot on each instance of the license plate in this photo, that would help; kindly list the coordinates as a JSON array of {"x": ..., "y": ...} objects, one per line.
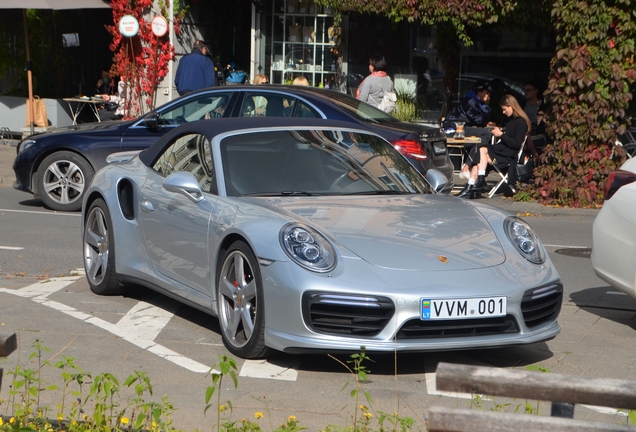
[
  {"x": 484, "y": 307},
  {"x": 439, "y": 147}
]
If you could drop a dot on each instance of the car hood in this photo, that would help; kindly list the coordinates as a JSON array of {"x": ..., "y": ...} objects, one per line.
[
  {"x": 107, "y": 127},
  {"x": 409, "y": 232}
]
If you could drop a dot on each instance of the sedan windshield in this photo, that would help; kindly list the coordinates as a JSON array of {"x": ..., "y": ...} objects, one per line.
[{"x": 316, "y": 162}]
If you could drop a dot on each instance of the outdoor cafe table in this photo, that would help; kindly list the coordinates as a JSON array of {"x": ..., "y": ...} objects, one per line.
[
  {"x": 76, "y": 104},
  {"x": 459, "y": 148}
]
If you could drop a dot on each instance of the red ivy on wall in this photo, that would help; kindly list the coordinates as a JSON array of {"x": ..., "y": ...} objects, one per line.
[{"x": 142, "y": 61}]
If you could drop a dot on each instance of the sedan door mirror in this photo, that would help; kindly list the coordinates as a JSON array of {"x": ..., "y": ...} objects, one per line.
[
  {"x": 436, "y": 179},
  {"x": 151, "y": 121},
  {"x": 184, "y": 183}
]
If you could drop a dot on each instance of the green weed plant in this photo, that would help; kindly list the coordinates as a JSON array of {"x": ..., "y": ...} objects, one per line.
[{"x": 95, "y": 403}]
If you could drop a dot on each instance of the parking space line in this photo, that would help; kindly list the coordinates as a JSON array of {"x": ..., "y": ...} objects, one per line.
[
  {"x": 43, "y": 288},
  {"x": 431, "y": 388},
  {"x": 140, "y": 326},
  {"x": 263, "y": 369},
  {"x": 55, "y": 213},
  {"x": 14, "y": 248}
]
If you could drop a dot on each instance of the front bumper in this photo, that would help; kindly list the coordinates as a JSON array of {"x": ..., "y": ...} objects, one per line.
[{"x": 289, "y": 329}]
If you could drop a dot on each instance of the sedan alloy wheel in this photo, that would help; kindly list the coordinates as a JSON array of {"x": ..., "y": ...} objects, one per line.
[{"x": 62, "y": 179}]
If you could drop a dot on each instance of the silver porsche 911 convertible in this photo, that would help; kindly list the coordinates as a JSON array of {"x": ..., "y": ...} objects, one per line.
[{"x": 303, "y": 235}]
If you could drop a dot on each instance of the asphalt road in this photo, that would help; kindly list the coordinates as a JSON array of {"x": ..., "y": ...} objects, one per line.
[{"x": 176, "y": 345}]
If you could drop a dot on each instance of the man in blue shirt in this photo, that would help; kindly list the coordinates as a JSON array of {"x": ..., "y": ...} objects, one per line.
[{"x": 195, "y": 70}]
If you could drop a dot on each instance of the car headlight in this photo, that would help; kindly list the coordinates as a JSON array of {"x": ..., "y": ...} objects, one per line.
[
  {"x": 307, "y": 247},
  {"x": 25, "y": 145},
  {"x": 525, "y": 240}
]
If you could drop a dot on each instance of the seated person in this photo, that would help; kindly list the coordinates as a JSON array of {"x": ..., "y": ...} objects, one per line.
[
  {"x": 474, "y": 110},
  {"x": 104, "y": 84},
  {"x": 247, "y": 110},
  {"x": 119, "y": 98},
  {"x": 260, "y": 105},
  {"x": 533, "y": 101},
  {"x": 504, "y": 152},
  {"x": 218, "y": 110}
]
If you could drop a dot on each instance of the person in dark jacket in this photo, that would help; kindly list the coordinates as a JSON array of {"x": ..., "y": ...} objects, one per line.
[
  {"x": 474, "y": 111},
  {"x": 504, "y": 152},
  {"x": 473, "y": 108},
  {"x": 195, "y": 70}
]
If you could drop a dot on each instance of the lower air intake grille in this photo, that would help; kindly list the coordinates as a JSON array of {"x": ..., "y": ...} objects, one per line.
[
  {"x": 346, "y": 315},
  {"x": 541, "y": 305},
  {"x": 418, "y": 329}
]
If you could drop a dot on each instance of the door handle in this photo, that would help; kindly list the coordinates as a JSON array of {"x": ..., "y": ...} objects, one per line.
[{"x": 146, "y": 206}]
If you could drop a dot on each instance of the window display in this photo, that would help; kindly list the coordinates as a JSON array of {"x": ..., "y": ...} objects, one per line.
[{"x": 303, "y": 42}]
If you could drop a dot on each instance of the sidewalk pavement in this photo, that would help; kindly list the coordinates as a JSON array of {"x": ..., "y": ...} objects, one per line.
[
  {"x": 7, "y": 155},
  {"x": 7, "y": 177}
]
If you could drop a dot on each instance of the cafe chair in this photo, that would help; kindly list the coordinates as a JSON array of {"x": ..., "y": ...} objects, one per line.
[{"x": 523, "y": 164}]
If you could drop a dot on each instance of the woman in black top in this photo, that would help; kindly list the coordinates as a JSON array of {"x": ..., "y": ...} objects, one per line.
[
  {"x": 504, "y": 152},
  {"x": 518, "y": 127}
]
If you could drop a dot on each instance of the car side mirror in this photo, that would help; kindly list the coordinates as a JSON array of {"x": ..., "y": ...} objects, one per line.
[
  {"x": 436, "y": 179},
  {"x": 151, "y": 121},
  {"x": 184, "y": 183}
]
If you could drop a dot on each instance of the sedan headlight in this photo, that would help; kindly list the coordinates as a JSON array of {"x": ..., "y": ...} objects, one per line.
[
  {"x": 308, "y": 248},
  {"x": 525, "y": 240},
  {"x": 25, "y": 145}
]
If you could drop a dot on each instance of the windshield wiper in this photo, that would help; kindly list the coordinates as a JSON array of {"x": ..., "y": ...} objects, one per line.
[
  {"x": 281, "y": 193},
  {"x": 380, "y": 192}
]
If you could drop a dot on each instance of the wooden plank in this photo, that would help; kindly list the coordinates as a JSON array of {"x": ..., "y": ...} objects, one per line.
[
  {"x": 8, "y": 344},
  {"x": 536, "y": 385},
  {"x": 473, "y": 420}
]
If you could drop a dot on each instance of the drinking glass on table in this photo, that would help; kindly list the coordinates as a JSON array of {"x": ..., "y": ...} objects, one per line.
[{"x": 459, "y": 130}]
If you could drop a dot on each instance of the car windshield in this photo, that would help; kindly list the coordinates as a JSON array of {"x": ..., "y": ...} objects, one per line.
[
  {"x": 316, "y": 162},
  {"x": 361, "y": 110}
]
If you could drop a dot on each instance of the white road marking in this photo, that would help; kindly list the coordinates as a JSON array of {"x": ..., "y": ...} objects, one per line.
[
  {"x": 605, "y": 410},
  {"x": 40, "y": 212},
  {"x": 11, "y": 248},
  {"x": 263, "y": 369},
  {"x": 615, "y": 293},
  {"x": 43, "y": 288},
  {"x": 431, "y": 383},
  {"x": 140, "y": 326},
  {"x": 431, "y": 388}
]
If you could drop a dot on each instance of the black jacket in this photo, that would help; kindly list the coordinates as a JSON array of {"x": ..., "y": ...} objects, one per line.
[
  {"x": 470, "y": 110},
  {"x": 510, "y": 142}
]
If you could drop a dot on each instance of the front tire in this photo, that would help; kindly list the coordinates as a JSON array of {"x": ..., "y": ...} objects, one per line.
[
  {"x": 99, "y": 251},
  {"x": 62, "y": 178},
  {"x": 241, "y": 303}
]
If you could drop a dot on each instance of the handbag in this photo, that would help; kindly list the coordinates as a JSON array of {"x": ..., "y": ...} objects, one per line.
[
  {"x": 525, "y": 170},
  {"x": 387, "y": 104},
  {"x": 111, "y": 106},
  {"x": 40, "y": 118}
]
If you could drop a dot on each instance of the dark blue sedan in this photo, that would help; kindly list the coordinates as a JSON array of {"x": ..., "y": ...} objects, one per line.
[{"x": 58, "y": 166}]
